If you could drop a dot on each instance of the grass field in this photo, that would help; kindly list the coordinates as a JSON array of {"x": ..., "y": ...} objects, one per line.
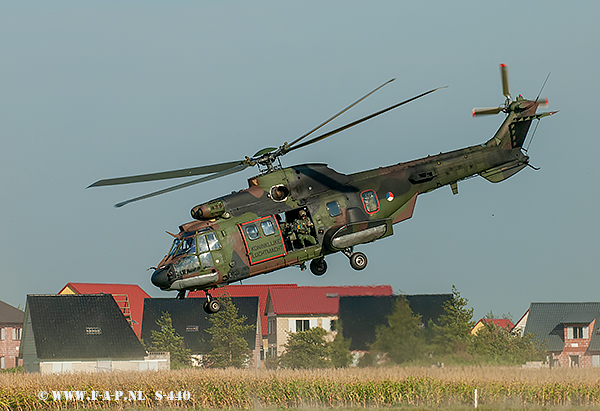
[{"x": 398, "y": 387}]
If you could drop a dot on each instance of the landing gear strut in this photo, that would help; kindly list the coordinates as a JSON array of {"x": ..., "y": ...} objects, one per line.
[
  {"x": 211, "y": 306},
  {"x": 358, "y": 260},
  {"x": 181, "y": 295},
  {"x": 318, "y": 266}
]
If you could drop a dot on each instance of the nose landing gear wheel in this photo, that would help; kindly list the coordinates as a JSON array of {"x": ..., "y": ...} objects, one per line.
[
  {"x": 358, "y": 261},
  {"x": 318, "y": 266}
]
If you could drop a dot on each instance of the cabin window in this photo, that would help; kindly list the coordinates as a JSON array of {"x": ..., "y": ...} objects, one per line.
[
  {"x": 252, "y": 232},
  {"x": 370, "y": 201},
  {"x": 267, "y": 227},
  {"x": 334, "y": 209}
]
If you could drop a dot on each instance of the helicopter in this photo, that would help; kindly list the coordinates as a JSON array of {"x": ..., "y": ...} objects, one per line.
[{"x": 289, "y": 216}]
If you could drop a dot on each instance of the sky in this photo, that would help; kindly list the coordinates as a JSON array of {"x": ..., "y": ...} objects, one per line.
[{"x": 93, "y": 90}]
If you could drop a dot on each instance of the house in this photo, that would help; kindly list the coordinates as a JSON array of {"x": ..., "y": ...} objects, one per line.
[
  {"x": 571, "y": 332},
  {"x": 11, "y": 325},
  {"x": 85, "y": 333},
  {"x": 361, "y": 315},
  {"x": 498, "y": 322},
  {"x": 520, "y": 325},
  {"x": 191, "y": 322},
  {"x": 302, "y": 308},
  {"x": 248, "y": 290},
  {"x": 129, "y": 297}
]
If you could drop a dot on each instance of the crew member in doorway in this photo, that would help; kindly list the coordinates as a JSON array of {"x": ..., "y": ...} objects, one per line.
[{"x": 302, "y": 226}]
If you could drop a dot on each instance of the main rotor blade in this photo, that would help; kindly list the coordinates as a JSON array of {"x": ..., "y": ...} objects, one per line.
[
  {"x": 186, "y": 172},
  {"x": 223, "y": 173},
  {"x": 287, "y": 146},
  {"x": 485, "y": 111},
  {"x": 505, "y": 86},
  {"x": 354, "y": 123}
]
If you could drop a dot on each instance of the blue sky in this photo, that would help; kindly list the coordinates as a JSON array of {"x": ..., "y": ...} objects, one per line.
[{"x": 94, "y": 90}]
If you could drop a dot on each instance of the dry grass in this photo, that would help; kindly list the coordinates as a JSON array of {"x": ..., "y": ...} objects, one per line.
[{"x": 349, "y": 388}]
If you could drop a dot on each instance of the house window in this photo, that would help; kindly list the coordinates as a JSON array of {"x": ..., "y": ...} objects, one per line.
[
  {"x": 302, "y": 325},
  {"x": 272, "y": 326},
  {"x": 2, "y": 364},
  {"x": 16, "y": 334},
  {"x": 574, "y": 332},
  {"x": 2, "y": 335},
  {"x": 370, "y": 201}
]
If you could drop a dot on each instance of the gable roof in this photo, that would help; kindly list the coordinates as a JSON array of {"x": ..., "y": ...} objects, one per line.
[
  {"x": 248, "y": 290},
  {"x": 135, "y": 298},
  {"x": 80, "y": 327},
  {"x": 191, "y": 322},
  {"x": 547, "y": 321},
  {"x": 361, "y": 315},
  {"x": 498, "y": 322},
  {"x": 10, "y": 316},
  {"x": 318, "y": 300}
]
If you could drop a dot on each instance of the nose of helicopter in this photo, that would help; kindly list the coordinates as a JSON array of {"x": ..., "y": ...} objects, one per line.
[{"x": 160, "y": 278}]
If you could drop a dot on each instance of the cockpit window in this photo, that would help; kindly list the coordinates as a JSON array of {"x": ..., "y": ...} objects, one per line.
[
  {"x": 213, "y": 243},
  {"x": 202, "y": 244},
  {"x": 174, "y": 247},
  {"x": 188, "y": 246}
]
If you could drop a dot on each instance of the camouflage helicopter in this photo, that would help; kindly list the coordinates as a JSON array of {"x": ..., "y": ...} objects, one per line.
[{"x": 290, "y": 216}]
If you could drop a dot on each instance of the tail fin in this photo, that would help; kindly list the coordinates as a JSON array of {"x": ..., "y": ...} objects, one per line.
[{"x": 513, "y": 130}]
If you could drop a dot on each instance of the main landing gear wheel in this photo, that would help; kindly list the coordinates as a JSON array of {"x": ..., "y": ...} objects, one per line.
[
  {"x": 211, "y": 306},
  {"x": 318, "y": 266},
  {"x": 358, "y": 261}
]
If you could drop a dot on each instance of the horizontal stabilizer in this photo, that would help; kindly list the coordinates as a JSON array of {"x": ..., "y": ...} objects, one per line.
[{"x": 497, "y": 174}]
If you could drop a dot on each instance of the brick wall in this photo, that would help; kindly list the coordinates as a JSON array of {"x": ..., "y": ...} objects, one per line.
[
  {"x": 9, "y": 348},
  {"x": 577, "y": 347}
]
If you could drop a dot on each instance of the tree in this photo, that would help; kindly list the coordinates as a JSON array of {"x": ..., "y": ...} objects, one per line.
[
  {"x": 499, "y": 345},
  {"x": 229, "y": 348},
  {"x": 401, "y": 340},
  {"x": 453, "y": 334},
  {"x": 306, "y": 349},
  {"x": 340, "y": 351},
  {"x": 168, "y": 340}
]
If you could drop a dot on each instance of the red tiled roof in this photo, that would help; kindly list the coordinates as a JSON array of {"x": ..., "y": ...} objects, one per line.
[
  {"x": 135, "y": 297},
  {"x": 319, "y": 300},
  {"x": 251, "y": 290},
  {"x": 498, "y": 322}
]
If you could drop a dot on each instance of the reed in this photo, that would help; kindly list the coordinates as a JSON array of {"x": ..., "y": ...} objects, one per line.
[{"x": 347, "y": 388}]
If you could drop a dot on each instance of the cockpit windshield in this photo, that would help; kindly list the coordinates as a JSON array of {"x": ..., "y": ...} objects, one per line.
[
  {"x": 185, "y": 245},
  {"x": 196, "y": 244}
]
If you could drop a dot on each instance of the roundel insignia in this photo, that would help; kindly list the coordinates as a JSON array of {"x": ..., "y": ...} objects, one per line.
[{"x": 389, "y": 196}]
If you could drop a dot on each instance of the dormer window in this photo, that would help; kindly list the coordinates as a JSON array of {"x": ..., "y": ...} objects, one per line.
[{"x": 577, "y": 331}]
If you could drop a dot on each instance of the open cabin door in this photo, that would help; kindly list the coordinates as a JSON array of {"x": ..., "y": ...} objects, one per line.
[{"x": 263, "y": 239}]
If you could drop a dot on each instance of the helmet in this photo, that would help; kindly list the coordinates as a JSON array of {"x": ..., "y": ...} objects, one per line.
[{"x": 302, "y": 213}]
